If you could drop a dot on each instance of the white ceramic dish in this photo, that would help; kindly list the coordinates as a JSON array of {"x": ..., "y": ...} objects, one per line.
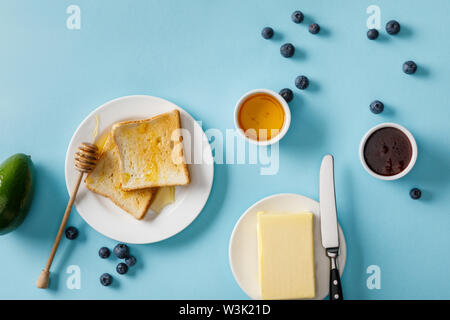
[
  {"x": 243, "y": 248},
  {"x": 104, "y": 216},
  {"x": 413, "y": 147},
  {"x": 287, "y": 117}
]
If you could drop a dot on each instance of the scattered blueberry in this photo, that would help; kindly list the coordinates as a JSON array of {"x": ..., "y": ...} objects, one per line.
[
  {"x": 106, "y": 279},
  {"x": 301, "y": 82},
  {"x": 122, "y": 268},
  {"x": 121, "y": 251},
  {"x": 392, "y": 27},
  {"x": 130, "y": 261},
  {"x": 104, "y": 252},
  {"x": 314, "y": 28},
  {"x": 415, "y": 193},
  {"x": 71, "y": 233},
  {"x": 377, "y": 107},
  {"x": 372, "y": 34},
  {"x": 287, "y": 50},
  {"x": 409, "y": 67},
  {"x": 267, "y": 33},
  {"x": 297, "y": 16},
  {"x": 287, "y": 94}
]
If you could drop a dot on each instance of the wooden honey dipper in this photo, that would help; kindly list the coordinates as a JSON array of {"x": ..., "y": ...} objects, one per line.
[{"x": 85, "y": 160}]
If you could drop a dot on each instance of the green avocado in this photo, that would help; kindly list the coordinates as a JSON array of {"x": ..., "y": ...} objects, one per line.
[{"x": 16, "y": 191}]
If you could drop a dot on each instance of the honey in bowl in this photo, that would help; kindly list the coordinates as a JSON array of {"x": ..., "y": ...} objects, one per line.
[{"x": 261, "y": 116}]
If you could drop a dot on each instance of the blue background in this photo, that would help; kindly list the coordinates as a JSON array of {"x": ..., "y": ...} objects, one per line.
[{"x": 203, "y": 55}]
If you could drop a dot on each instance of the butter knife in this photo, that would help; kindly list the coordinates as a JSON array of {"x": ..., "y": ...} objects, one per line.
[{"x": 329, "y": 225}]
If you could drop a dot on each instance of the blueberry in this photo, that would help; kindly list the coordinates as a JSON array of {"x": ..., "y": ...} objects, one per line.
[
  {"x": 409, "y": 67},
  {"x": 130, "y": 261},
  {"x": 301, "y": 82},
  {"x": 121, "y": 251},
  {"x": 314, "y": 28},
  {"x": 287, "y": 94},
  {"x": 122, "y": 268},
  {"x": 392, "y": 27},
  {"x": 297, "y": 16},
  {"x": 106, "y": 279},
  {"x": 372, "y": 34},
  {"x": 104, "y": 252},
  {"x": 415, "y": 193},
  {"x": 377, "y": 107},
  {"x": 287, "y": 50},
  {"x": 267, "y": 33},
  {"x": 71, "y": 233}
]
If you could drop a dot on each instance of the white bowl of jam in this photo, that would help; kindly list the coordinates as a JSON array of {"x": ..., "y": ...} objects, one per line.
[
  {"x": 388, "y": 151},
  {"x": 262, "y": 116}
]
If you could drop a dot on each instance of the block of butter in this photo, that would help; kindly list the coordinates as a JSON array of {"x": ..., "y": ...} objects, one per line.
[{"x": 286, "y": 255}]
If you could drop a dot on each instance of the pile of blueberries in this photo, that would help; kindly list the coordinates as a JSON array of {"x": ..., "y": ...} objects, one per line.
[
  {"x": 121, "y": 251},
  {"x": 287, "y": 50},
  {"x": 409, "y": 67}
]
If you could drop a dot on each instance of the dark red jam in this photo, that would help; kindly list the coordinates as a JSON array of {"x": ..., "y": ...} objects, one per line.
[{"x": 387, "y": 151}]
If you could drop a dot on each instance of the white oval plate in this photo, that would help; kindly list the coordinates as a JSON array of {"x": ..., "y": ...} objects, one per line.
[
  {"x": 103, "y": 215},
  {"x": 243, "y": 249}
]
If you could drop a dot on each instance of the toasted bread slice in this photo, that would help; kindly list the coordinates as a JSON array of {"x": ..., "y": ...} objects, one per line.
[
  {"x": 151, "y": 152},
  {"x": 105, "y": 180}
]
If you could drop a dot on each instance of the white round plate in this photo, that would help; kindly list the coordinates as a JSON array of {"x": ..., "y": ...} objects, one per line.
[
  {"x": 103, "y": 215},
  {"x": 243, "y": 249}
]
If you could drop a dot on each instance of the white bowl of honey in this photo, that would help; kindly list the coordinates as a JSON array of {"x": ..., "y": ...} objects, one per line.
[{"x": 262, "y": 117}]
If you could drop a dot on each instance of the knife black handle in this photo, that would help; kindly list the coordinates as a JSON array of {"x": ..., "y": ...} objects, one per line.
[{"x": 335, "y": 282}]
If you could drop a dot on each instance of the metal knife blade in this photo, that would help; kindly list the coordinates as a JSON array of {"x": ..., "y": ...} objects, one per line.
[{"x": 328, "y": 216}]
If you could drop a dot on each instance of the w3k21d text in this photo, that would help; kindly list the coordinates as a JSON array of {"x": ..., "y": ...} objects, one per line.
[{"x": 227, "y": 309}]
